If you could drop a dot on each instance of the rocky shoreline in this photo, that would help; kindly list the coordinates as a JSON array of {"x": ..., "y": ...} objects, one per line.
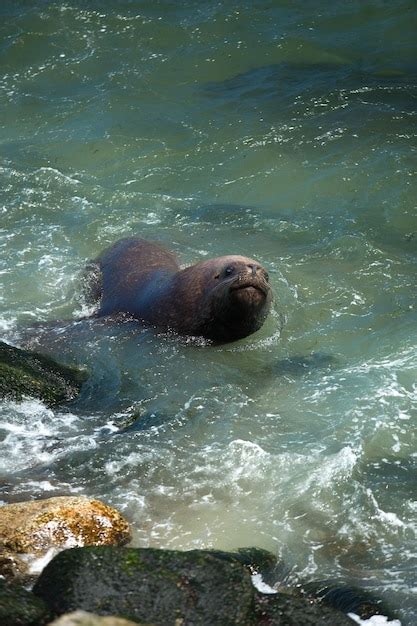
[
  {"x": 63, "y": 555},
  {"x": 65, "y": 560}
]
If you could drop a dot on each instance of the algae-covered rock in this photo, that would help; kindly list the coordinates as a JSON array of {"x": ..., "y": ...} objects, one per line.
[
  {"x": 82, "y": 618},
  {"x": 30, "y": 530},
  {"x": 282, "y": 609},
  {"x": 162, "y": 587},
  {"x": 24, "y": 373},
  {"x": 19, "y": 607}
]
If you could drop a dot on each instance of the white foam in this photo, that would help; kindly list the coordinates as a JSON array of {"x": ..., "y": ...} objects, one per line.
[
  {"x": 58, "y": 174},
  {"x": 338, "y": 466},
  {"x": 262, "y": 586},
  {"x": 375, "y": 620},
  {"x": 33, "y": 433},
  {"x": 387, "y": 517},
  {"x": 40, "y": 563},
  {"x": 7, "y": 324}
]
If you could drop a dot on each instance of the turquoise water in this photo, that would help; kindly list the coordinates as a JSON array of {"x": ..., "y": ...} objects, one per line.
[{"x": 282, "y": 131}]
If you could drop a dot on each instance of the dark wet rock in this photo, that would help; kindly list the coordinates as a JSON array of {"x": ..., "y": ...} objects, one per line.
[
  {"x": 256, "y": 560},
  {"x": 148, "y": 585},
  {"x": 347, "y": 598},
  {"x": 299, "y": 365},
  {"x": 164, "y": 588},
  {"x": 19, "y": 607},
  {"x": 82, "y": 618},
  {"x": 24, "y": 373},
  {"x": 30, "y": 530},
  {"x": 284, "y": 609}
]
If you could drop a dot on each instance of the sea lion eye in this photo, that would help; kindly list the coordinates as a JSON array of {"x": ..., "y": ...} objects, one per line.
[{"x": 229, "y": 270}]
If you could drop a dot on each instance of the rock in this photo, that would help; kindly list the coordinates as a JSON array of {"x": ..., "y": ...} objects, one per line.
[
  {"x": 82, "y": 618},
  {"x": 24, "y": 373},
  {"x": 32, "y": 531},
  {"x": 284, "y": 609},
  {"x": 347, "y": 598},
  {"x": 19, "y": 607},
  {"x": 254, "y": 559},
  {"x": 11, "y": 565},
  {"x": 147, "y": 585}
]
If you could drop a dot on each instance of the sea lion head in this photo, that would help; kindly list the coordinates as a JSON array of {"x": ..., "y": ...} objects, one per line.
[{"x": 237, "y": 295}]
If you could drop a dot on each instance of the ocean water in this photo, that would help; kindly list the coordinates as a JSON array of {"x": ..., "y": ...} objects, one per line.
[{"x": 282, "y": 131}]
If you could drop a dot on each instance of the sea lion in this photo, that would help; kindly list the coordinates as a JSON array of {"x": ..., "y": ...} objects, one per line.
[{"x": 222, "y": 299}]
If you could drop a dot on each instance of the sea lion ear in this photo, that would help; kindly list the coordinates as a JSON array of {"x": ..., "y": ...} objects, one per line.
[{"x": 217, "y": 276}]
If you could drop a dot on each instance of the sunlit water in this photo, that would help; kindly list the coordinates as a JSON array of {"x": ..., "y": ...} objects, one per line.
[{"x": 282, "y": 131}]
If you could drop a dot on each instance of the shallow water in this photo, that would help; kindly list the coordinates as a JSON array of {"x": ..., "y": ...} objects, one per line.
[{"x": 283, "y": 132}]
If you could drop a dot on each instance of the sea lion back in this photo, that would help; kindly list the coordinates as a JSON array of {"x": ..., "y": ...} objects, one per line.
[{"x": 129, "y": 268}]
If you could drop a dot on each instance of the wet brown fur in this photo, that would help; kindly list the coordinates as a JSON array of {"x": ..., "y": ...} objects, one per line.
[{"x": 143, "y": 279}]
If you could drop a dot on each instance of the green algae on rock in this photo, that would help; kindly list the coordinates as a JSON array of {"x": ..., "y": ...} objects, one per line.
[
  {"x": 25, "y": 373},
  {"x": 149, "y": 585},
  {"x": 168, "y": 588}
]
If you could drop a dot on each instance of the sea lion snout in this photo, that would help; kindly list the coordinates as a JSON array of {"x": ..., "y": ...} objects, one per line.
[
  {"x": 253, "y": 268},
  {"x": 252, "y": 276}
]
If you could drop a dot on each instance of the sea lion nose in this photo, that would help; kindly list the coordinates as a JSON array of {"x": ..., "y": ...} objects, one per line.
[{"x": 253, "y": 267}]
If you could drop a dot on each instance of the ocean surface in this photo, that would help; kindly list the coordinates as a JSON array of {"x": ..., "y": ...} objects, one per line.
[{"x": 284, "y": 131}]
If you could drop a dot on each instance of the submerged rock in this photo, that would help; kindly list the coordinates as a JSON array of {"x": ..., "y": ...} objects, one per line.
[
  {"x": 32, "y": 531},
  {"x": 147, "y": 585},
  {"x": 347, "y": 598},
  {"x": 19, "y": 607},
  {"x": 82, "y": 618},
  {"x": 24, "y": 373},
  {"x": 284, "y": 609}
]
